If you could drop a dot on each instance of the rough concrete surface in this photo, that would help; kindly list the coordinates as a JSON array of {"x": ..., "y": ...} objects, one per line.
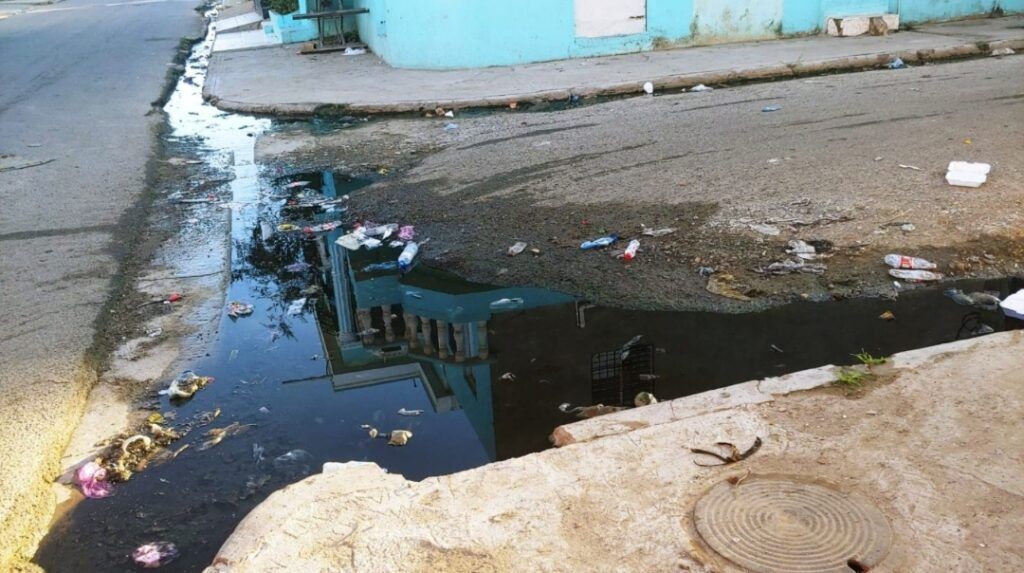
[
  {"x": 78, "y": 81},
  {"x": 940, "y": 461},
  {"x": 851, "y": 159},
  {"x": 280, "y": 81}
]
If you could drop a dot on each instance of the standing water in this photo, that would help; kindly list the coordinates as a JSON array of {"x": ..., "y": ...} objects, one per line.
[{"x": 340, "y": 342}]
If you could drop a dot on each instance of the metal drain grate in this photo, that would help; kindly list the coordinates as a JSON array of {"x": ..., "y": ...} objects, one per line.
[{"x": 777, "y": 525}]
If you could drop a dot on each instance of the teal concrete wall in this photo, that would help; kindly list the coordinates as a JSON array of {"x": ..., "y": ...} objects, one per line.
[{"x": 439, "y": 34}]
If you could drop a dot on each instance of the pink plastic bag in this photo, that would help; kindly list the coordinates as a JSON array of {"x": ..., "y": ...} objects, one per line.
[
  {"x": 407, "y": 232},
  {"x": 93, "y": 480}
]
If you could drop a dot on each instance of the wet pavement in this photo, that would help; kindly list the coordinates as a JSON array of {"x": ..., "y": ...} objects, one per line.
[{"x": 338, "y": 341}]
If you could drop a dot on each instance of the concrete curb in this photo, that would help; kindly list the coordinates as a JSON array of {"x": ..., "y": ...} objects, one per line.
[
  {"x": 745, "y": 393},
  {"x": 623, "y": 88}
]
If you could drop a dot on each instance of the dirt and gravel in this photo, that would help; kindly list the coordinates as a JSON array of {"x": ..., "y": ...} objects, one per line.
[{"x": 858, "y": 160}]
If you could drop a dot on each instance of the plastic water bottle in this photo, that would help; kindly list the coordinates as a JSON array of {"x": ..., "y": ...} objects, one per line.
[
  {"x": 915, "y": 275},
  {"x": 904, "y": 262},
  {"x": 599, "y": 243},
  {"x": 631, "y": 250},
  {"x": 408, "y": 254}
]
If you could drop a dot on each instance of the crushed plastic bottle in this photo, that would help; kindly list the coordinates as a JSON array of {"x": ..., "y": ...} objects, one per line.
[
  {"x": 631, "y": 250},
  {"x": 599, "y": 243},
  {"x": 156, "y": 554},
  {"x": 915, "y": 275},
  {"x": 517, "y": 248},
  {"x": 408, "y": 254},
  {"x": 905, "y": 262}
]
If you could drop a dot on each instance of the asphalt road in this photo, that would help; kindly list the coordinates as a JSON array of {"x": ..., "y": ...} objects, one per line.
[
  {"x": 76, "y": 84},
  {"x": 854, "y": 159}
]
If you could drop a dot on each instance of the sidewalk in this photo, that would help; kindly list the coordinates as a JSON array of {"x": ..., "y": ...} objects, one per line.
[
  {"x": 915, "y": 471},
  {"x": 277, "y": 80}
]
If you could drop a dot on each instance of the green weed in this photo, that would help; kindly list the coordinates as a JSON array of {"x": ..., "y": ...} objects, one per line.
[
  {"x": 868, "y": 360},
  {"x": 851, "y": 378}
]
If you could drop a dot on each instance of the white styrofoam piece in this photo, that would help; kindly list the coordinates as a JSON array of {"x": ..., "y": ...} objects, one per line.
[
  {"x": 1013, "y": 305},
  {"x": 967, "y": 166},
  {"x": 965, "y": 178}
]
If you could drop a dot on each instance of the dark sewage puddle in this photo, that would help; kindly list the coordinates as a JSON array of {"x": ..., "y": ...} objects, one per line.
[{"x": 339, "y": 339}]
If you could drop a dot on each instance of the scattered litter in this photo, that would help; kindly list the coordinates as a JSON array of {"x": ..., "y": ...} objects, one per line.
[
  {"x": 887, "y": 315},
  {"x": 350, "y": 51},
  {"x": 449, "y": 113},
  {"x": 506, "y": 303},
  {"x": 770, "y": 108},
  {"x": 264, "y": 410},
  {"x": 803, "y": 250},
  {"x": 508, "y": 377},
  {"x": 297, "y": 267},
  {"x": 585, "y": 412},
  {"x": 93, "y": 480},
  {"x": 322, "y": 227},
  {"x": 979, "y": 300},
  {"x": 902, "y": 166},
  {"x": 966, "y": 174},
  {"x": 407, "y": 256},
  {"x": 775, "y": 348},
  {"x": 723, "y": 285},
  {"x": 1013, "y": 306},
  {"x": 296, "y": 306},
  {"x": 1003, "y": 52},
  {"x": 700, "y": 88},
  {"x": 648, "y": 88},
  {"x": 153, "y": 555},
  {"x": 908, "y": 227},
  {"x": 451, "y": 126},
  {"x": 535, "y": 252},
  {"x": 296, "y": 184},
  {"x": 732, "y": 457},
  {"x": 173, "y": 297},
  {"x": 370, "y": 430},
  {"x": 644, "y": 399},
  {"x": 517, "y": 248},
  {"x": 896, "y": 64},
  {"x": 217, "y": 435},
  {"x": 631, "y": 249},
  {"x": 904, "y": 262},
  {"x": 399, "y": 437},
  {"x": 774, "y": 161},
  {"x": 765, "y": 229},
  {"x": 404, "y": 412},
  {"x": 913, "y": 275},
  {"x": 407, "y": 232},
  {"x": 657, "y": 232},
  {"x": 513, "y": 105},
  {"x": 257, "y": 453},
  {"x": 237, "y": 309},
  {"x": 599, "y": 243},
  {"x": 705, "y": 271},
  {"x": 154, "y": 331},
  {"x": 187, "y": 384}
]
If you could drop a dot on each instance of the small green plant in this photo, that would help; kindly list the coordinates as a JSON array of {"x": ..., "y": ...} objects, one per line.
[
  {"x": 851, "y": 378},
  {"x": 868, "y": 360},
  {"x": 283, "y": 6}
]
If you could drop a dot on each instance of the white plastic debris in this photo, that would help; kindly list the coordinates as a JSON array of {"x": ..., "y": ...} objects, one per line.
[
  {"x": 967, "y": 174},
  {"x": 1003, "y": 52},
  {"x": 765, "y": 229},
  {"x": 701, "y": 88},
  {"x": 354, "y": 51},
  {"x": 296, "y": 306},
  {"x": 1013, "y": 305},
  {"x": 648, "y": 87}
]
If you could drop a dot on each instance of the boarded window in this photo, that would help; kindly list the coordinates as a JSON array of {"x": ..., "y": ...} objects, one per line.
[{"x": 598, "y": 18}]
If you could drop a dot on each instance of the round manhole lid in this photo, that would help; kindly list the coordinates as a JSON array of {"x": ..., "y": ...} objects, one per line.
[{"x": 778, "y": 525}]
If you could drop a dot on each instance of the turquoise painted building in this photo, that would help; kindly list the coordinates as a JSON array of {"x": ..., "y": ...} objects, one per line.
[{"x": 444, "y": 34}]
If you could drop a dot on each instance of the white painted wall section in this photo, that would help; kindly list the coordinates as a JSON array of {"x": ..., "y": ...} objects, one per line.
[{"x": 600, "y": 18}]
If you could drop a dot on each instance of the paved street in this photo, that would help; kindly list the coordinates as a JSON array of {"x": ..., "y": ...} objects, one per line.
[{"x": 77, "y": 82}]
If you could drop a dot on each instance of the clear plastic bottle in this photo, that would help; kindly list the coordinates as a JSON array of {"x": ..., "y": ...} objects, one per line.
[
  {"x": 631, "y": 250},
  {"x": 904, "y": 262},
  {"x": 914, "y": 275},
  {"x": 408, "y": 254}
]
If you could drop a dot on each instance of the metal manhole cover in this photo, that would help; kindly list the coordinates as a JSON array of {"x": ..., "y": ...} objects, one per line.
[{"x": 775, "y": 525}]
